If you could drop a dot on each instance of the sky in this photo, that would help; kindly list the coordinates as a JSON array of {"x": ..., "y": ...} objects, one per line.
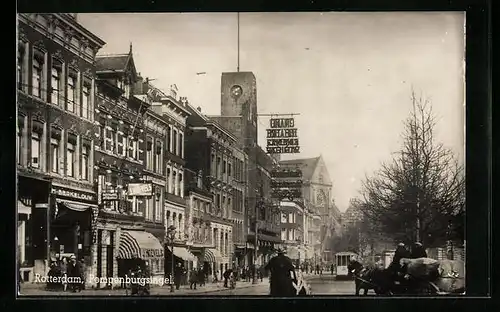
[{"x": 349, "y": 76}]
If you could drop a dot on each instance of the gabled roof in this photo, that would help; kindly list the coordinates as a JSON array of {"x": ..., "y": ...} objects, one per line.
[
  {"x": 115, "y": 62},
  {"x": 307, "y": 165}
]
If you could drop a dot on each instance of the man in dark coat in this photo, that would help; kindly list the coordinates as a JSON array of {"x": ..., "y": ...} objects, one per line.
[
  {"x": 418, "y": 251},
  {"x": 178, "y": 275},
  {"x": 74, "y": 272},
  {"x": 395, "y": 266},
  {"x": 226, "y": 276},
  {"x": 281, "y": 281}
]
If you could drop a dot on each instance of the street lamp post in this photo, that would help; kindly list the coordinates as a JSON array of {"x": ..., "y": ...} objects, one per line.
[
  {"x": 171, "y": 236},
  {"x": 254, "y": 277}
]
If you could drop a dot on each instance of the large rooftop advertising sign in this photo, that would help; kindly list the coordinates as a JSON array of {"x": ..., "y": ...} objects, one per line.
[{"x": 282, "y": 136}]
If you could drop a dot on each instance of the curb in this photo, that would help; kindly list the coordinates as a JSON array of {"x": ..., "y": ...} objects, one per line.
[{"x": 222, "y": 289}]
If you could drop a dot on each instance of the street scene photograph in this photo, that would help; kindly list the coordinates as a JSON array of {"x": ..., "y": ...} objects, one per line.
[{"x": 282, "y": 154}]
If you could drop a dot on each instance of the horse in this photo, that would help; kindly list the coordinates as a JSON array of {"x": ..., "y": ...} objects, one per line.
[{"x": 369, "y": 277}]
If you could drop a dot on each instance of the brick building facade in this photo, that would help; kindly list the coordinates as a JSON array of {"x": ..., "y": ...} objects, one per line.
[{"x": 55, "y": 88}]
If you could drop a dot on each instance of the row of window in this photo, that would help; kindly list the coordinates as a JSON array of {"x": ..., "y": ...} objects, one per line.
[
  {"x": 154, "y": 155},
  {"x": 200, "y": 206},
  {"x": 238, "y": 235},
  {"x": 239, "y": 200},
  {"x": 175, "y": 181},
  {"x": 66, "y": 154},
  {"x": 290, "y": 234},
  {"x": 118, "y": 142},
  {"x": 239, "y": 170},
  {"x": 67, "y": 88},
  {"x": 175, "y": 141},
  {"x": 291, "y": 217},
  {"x": 224, "y": 204},
  {"x": 221, "y": 168},
  {"x": 176, "y": 219},
  {"x": 221, "y": 239}
]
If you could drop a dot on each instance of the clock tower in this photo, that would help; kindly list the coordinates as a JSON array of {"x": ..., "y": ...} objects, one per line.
[{"x": 239, "y": 106}]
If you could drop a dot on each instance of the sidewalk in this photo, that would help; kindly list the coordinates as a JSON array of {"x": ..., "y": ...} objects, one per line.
[{"x": 38, "y": 289}]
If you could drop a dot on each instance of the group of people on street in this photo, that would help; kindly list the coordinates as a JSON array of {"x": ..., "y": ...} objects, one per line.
[{"x": 68, "y": 269}]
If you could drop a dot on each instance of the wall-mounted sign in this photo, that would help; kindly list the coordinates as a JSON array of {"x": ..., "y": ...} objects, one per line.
[
  {"x": 109, "y": 196},
  {"x": 282, "y": 136},
  {"x": 290, "y": 194},
  {"x": 286, "y": 184},
  {"x": 151, "y": 253},
  {"x": 140, "y": 189},
  {"x": 286, "y": 173},
  {"x": 71, "y": 194}
]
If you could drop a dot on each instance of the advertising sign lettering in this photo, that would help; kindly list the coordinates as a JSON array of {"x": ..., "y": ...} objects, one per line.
[
  {"x": 73, "y": 194},
  {"x": 109, "y": 196},
  {"x": 140, "y": 189},
  {"x": 282, "y": 137}
]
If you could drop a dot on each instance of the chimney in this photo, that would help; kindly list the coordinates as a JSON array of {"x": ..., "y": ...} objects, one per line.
[
  {"x": 199, "y": 109},
  {"x": 183, "y": 100}
]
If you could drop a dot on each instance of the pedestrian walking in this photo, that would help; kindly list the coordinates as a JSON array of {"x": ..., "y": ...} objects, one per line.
[
  {"x": 74, "y": 273},
  {"x": 178, "y": 275},
  {"x": 193, "y": 279},
  {"x": 280, "y": 268},
  {"x": 331, "y": 268}
]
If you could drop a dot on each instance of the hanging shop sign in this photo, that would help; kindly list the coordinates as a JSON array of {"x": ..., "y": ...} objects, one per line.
[
  {"x": 286, "y": 184},
  {"x": 71, "y": 194},
  {"x": 286, "y": 173},
  {"x": 140, "y": 189},
  {"x": 282, "y": 137},
  {"x": 109, "y": 196},
  {"x": 290, "y": 194}
]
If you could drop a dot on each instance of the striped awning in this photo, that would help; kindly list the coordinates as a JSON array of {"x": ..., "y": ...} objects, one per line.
[
  {"x": 212, "y": 255},
  {"x": 76, "y": 206},
  {"x": 183, "y": 253},
  {"x": 139, "y": 244}
]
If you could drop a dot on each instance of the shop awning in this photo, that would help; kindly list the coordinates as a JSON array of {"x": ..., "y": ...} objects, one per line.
[
  {"x": 76, "y": 206},
  {"x": 212, "y": 255},
  {"x": 184, "y": 254},
  {"x": 22, "y": 208},
  {"x": 139, "y": 244}
]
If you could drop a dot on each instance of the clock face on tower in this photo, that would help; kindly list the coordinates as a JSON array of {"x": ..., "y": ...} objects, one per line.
[{"x": 236, "y": 91}]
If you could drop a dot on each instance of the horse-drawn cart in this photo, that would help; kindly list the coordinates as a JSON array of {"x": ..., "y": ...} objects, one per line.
[{"x": 445, "y": 277}]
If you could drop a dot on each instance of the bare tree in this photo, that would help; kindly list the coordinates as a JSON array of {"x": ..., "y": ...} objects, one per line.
[{"x": 415, "y": 196}]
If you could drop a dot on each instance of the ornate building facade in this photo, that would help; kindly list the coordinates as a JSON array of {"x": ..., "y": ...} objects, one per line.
[
  {"x": 172, "y": 109},
  {"x": 55, "y": 89},
  {"x": 317, "y": 196},
  {"x": 129, "y": 227}
]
